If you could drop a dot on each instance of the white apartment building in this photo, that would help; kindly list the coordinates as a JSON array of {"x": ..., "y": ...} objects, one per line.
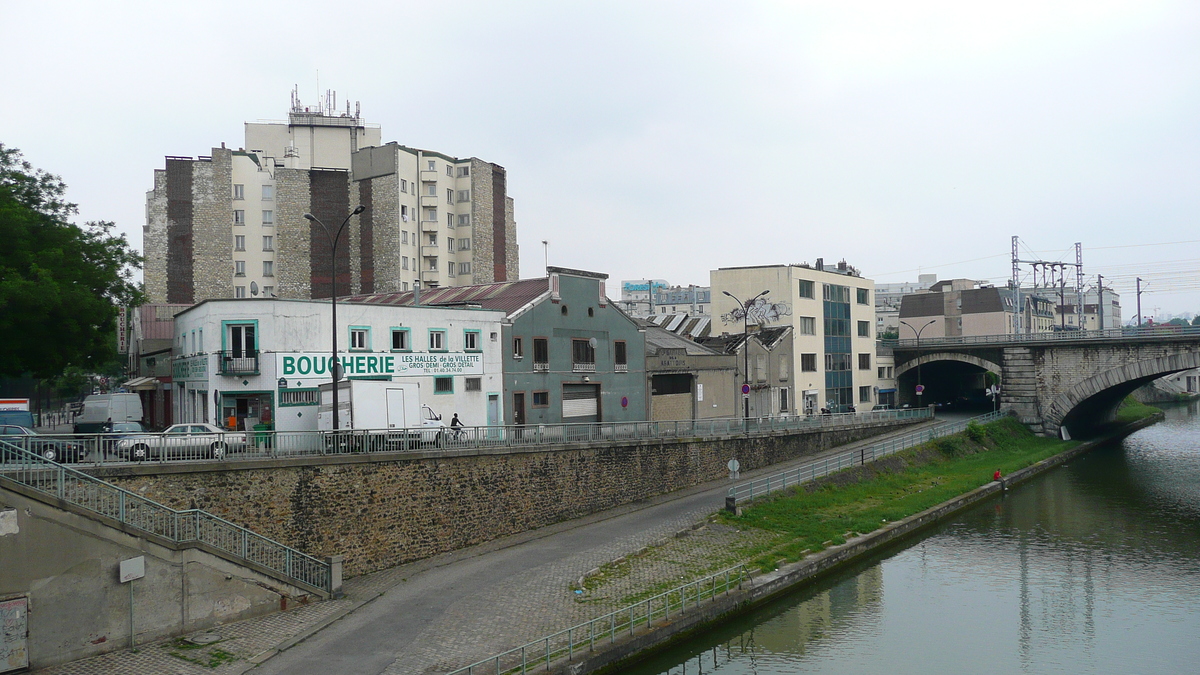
[
  {"x": 832, "y": 312},
  {"x": 263, "y": 360},
  {"x": 232, "y": 224}
]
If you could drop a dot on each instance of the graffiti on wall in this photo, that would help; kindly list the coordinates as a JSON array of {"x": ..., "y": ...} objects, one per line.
[{"x": 762, "y": 311}]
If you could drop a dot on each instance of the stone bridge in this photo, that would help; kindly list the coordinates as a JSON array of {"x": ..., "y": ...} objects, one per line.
[{"x": 1055, "y": 380}]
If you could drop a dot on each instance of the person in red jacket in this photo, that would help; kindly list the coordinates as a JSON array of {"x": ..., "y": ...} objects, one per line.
[{"x": 996, "y": 476}]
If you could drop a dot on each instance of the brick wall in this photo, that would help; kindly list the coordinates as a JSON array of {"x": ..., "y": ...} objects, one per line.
[
  {"x": 380, "y": 512},
  {"x": 329, "y": 192}
]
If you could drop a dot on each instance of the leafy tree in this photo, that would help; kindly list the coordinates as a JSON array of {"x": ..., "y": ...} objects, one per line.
[
  {"x": 890, "y": 334},
  {"x": 60, "y": 284},
  {"x": 1196, "y": 320},
  {"x": 1177, "y": 322}
]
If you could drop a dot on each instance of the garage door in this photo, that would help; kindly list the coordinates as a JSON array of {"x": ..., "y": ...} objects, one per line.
[{"x": 581, "y": 403}]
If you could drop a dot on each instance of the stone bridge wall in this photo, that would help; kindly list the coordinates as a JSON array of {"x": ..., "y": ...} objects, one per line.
[{"x": 383, "y": 510}]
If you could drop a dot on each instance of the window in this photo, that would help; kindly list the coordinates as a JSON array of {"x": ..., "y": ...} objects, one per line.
[
  {"x": 449, "y": 195},
  {"x": 864, "y": 394},
  {"x": 620, "y": 355},
  {"x": 291, "y": 397},
  {"x": 518, "y": 348},
  {"x": 808, "y": 363},
  {"x": 464, "y": 268},
  {"x": 464, "y": 244},
  {"x": 400, "y": 340},
  {"x": 473, "y": 384},
  {"x": 239, "y": 191},
  {"x": 360, "y": 338},
  {"x": 864, "y": 361},
  {"x": 464, "y": 171},
  {"x": 239, "y": 291},
  {"x": 403, "y": 186},
  {"x": 882, "y": 372},
  {"x": 431, "y": 189},
  {"x": 239, "y": 242},
  {"x": 239, "y": 268},
  {"x": 783, "y": 399},
  {"x": 437, "y": 340},
  {"x": 268, "y": 218},
  {"x": 268, "y": 242},
  {"x": 450, "y": 220},
  {"x": 541, "y": 399},
  {"x": 404, "y": 216},
  {"x": 470, "y": 340},
  {"x": 404, "y": 262},
  {"x": 268, "y": 268},
  {"x": 863, "y": 296},
  {"x": 450, "y": 171},
  {"x": 433, "y": 239},
  {"x": 806, "y": 289},
  {"x": 464, "y": 219},
  {"x": 582, "y": 352},
  {"x": 404, "y": 237},
  {"x": 464, "y": 195},
  {"x": 450, "y": 272},
  {"x": 432, "y": 165},
  {"x": 268, "y": 291},
  {"x": 239, "y": 217},
  {"x": 864, "y": 329},
  {"x": 443, "y": 385},
  {"x": 432, "y": 264},
  {"x": 541, "y": 353},
  {"x": 450, "y": 244},
  {"x": 431, "y": 215},
  {"x": 808, "y": 325},
  {"x": 837, "y": 362},
  {"x": 268, "y": 192}
]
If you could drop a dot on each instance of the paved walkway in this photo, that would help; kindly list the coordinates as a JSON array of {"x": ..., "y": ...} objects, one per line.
[{"x": 438, "y": 614}]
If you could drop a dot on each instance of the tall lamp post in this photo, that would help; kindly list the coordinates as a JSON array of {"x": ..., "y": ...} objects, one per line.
[
  {"x": 918, "y": 334},
  {"x": 746, "y": 346},
  {"x": 335, "y": 366}
]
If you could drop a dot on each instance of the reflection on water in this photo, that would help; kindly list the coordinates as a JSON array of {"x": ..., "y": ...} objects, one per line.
[{"x": 1092, "y": 568}]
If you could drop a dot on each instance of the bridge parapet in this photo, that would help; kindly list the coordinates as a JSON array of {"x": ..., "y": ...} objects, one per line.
[{"x": 1157, "y": 332}]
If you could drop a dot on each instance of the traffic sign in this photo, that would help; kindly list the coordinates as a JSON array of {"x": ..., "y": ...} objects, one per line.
[
  {"x": 920, "y": 389},
  {"x": 745, "y": 389}
]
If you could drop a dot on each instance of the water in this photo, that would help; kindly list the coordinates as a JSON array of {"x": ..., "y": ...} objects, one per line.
[{"x": 1091, "y": 568}]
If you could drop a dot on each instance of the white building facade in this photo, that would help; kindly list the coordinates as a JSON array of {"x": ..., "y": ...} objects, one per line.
[{"x": 261, "y": 361}]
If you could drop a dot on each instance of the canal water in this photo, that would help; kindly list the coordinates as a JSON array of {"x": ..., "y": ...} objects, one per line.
[{"x": 1091, "y": 568}]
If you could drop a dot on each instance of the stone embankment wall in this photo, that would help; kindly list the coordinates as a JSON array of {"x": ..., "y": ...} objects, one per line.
[{"x": 386, "y": 509}]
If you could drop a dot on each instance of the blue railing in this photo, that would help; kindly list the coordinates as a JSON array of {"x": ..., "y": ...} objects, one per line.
[
  {"x": 189, "y": 526},
  {"x": 607, "y": 628},
  {"x": 1147, "y": 332},
  {"x": 744, "y": 492}
]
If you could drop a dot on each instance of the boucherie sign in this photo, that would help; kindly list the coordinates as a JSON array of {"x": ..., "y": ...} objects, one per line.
[{"x": 316, "y": 365}]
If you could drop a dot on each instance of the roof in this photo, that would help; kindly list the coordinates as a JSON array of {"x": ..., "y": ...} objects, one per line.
[
  {"x": 768, "y": 337},
  {"x": 658, "y": 339},
  {"x": 508, "y": 296}
]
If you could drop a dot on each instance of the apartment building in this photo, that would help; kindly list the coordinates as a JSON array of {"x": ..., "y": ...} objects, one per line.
[
  {"x": 956, "y": 307},
  {"x": 831, "y": 310},
  {"x": 232, "y": 224}
]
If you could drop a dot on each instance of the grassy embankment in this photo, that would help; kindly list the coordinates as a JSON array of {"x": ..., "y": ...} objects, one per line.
[
  {"x": 857, "y": 501},
  {"x": 1131, "y": 410}
]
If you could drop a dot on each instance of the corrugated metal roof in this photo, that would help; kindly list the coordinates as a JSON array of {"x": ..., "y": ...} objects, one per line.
[
  {"x": 507, "y": 296},
  {"x": 658, "y": 338}
]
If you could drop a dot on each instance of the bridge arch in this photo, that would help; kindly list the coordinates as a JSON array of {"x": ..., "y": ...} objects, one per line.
[
  {"x": 1104, "y": 391},
  {"x": 947, "y": 356}
]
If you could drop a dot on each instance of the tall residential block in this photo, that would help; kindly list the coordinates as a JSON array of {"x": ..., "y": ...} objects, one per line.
[{"x": 231, "y": 224}]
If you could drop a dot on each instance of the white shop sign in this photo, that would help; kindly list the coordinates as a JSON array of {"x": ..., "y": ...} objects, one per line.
[{"x": 315, "y": 365}]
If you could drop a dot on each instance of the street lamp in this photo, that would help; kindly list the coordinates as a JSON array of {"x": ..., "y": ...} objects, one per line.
[
  {"x": 918, "y": 334},
  {"x": 746, "y": 347},
  {"x": 335, "y": 366}
]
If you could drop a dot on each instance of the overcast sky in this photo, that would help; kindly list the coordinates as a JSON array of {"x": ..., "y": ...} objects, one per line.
[{"x": 667, "y": 139}]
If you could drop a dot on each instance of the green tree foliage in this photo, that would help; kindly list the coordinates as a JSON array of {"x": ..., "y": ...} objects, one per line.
[
  {"x": 1177, "y": 322},
  {"x": 60, "y": 284},
  {"x": 1196, "y": 320}
]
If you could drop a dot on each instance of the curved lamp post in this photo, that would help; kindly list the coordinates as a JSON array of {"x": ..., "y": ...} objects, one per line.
[
  {"x": 918, "y": 334},
  {"x": 335, "y": 366},
  {"x": 746, "y": 347}
]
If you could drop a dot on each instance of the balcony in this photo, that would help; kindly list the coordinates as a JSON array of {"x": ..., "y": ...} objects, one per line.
[
  {"x": 583, "y": 368},
  {"x": 430, "y": 226},
  {"x": 427, "y": 200},
  {"x": 621, "y": 368},
  {"x": 238, "y": 362},
  {"x": 429, "y": 176},
  {"x": 430, "y": 251},
  {"x": 429, "y": 277},
  {"x": 541, "y": 367}
]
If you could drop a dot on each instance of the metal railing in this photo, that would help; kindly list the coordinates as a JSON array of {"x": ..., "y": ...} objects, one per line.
[
  {"x": 183, "y": 527},
  {"x": 235, "y": 446},
  {"x": 607, "y": 628},
  {"x": 1155, "y": 332},
  {"x": 237, "y": 363},
  {"x": 744, "y": 492}
]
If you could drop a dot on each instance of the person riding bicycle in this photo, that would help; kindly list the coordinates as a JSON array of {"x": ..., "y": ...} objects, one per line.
[{"x": 456, "y": 426}]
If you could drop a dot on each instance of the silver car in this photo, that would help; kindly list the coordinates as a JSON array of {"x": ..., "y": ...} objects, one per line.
[{"x": 182, "y": 441}]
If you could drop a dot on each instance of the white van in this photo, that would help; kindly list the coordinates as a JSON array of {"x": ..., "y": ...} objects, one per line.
[{"x": 99, "y": 409}]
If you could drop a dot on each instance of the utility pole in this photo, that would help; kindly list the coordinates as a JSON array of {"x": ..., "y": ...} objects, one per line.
[
  {"x": 1139, "y": 301},
  {"x": 1100, "y": 299}
]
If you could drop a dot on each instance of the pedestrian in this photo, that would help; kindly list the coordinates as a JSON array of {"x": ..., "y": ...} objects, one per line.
[{"x": 996, "y": 476}]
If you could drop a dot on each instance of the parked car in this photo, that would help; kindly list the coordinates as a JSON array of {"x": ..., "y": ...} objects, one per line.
[
  {"x": 52, "y": 449},
  {"x": 119, "y": 430},
  {"x": 181, "y": 441}
]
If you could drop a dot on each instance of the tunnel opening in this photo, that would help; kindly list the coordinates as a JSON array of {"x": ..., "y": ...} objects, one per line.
[
  {"x": 1096, "y": 414},
  {"x": 949, "y": 385}
]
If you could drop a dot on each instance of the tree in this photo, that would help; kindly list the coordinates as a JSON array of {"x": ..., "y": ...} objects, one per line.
[
  {"x": 60, "y": 284},
  {"x": 1196, "y": 320}
]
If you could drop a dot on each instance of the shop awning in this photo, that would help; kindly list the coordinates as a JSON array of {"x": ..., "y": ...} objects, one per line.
[{"x": 142, "y": 384}]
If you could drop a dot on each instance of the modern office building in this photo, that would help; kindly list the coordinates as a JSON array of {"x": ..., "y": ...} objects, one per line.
[
  {"x": 831, "y": 311},
  {"x": 232, "y": 224}
]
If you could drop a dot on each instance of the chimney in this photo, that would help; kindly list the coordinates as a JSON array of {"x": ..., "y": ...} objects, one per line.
[
  {"x": 821, "y": 264},
  {"x": 417, "y": 294}
]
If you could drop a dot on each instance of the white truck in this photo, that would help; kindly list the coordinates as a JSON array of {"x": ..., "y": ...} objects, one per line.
[
  {"x": 101, "y": 410},
  {"x": 375, "y": 415}
]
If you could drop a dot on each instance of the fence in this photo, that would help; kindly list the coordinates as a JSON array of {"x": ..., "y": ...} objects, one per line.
[
  {"x": 182, "y": 527},
  {"x": 1147, "y": 332},
  {"x": 583, "y": 637},
  {"x": 744, "y": 492},
  {"x": 205, "y": 444}
]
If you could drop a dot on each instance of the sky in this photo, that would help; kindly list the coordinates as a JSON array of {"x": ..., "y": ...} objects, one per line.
[{"x": 667, "y": 139}]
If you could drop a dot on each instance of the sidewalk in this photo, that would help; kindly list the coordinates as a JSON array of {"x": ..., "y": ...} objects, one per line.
[{"x": 438, "y": 614}]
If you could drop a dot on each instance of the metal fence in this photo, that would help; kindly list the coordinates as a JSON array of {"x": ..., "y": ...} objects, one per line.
[
  {"x": 625, "y": 621},
  {"x": 187, "y": 526},
  {"x": 744, "y": 492},
  {"x": 1147, "y": 332},
  {"x": 104, "y": 449}
]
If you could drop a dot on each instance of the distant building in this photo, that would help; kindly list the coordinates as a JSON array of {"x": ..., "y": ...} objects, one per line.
[
  {"x": 957, "y": 307},
  {"x": 831, "y": 311},
  {"x": 689, "y": 380},
  {"x": 231, "y": 224},
  {"x": 637, "y": 300},
  {"x": 887, "y": 300}
]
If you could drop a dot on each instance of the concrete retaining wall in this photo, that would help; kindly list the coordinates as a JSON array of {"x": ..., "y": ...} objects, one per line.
[
  {"x": 384, "y": 509},
  {"x": 67, "y": 565},
  {"x": 785, "y": 579}
]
